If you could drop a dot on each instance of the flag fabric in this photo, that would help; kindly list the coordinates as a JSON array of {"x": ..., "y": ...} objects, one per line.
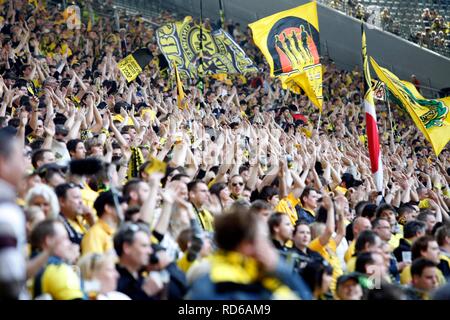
[
  {"x": 133, "y": 64},
  {"x": 180, "y": 91},
  {"x": 371, "y": 121},
  {"x": 379, "y": 91},
  {"x": 431, "y": 116},
  {"x": 289, "y": 40},
  {"x": 179, "y": 42}
]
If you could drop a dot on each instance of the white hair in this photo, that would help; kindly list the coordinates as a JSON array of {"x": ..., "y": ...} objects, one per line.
[{"x": 48, "y": 194}]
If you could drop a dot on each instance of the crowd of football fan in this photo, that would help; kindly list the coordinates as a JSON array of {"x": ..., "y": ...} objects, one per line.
[{"x": 257, "y": 201}]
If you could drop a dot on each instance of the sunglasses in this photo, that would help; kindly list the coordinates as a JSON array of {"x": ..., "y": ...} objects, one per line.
[{"x": 236, "y": 184}]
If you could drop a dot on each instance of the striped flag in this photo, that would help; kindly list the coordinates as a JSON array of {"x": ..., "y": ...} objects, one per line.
[{"x": 371, "y": 122}]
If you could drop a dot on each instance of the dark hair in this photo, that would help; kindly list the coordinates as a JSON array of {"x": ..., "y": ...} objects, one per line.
[
  {"x": 268, "y": 192},
  {"x": 306, "y": 193},
  {"x": 183, "y": 239},
  {"x": 418, "y": 265},
  {"x": 61, "y": 189},
  {"x": 404, "y": 208},
  {"x": 72, "y": 144},
  {"x": 384, "y": 207},
  {"x": 441, "y": 233},
  {"x": 233, "y": 228},
  {"x": 423, "y": 215},
  {"x": 313, "y": 273},
  {"x": 411, "y": 229},
  {"x": 359, "y": 207},
  {"x": 274, "y": 221},
  {"x": 131, "y": 185},
  {"x": 362, "y": 260},
  {"x": 192, "y": 186},
  {"x": 38, "y": 155},
  {"x": 369, "y": 211},
  {"x": 376, "y": 222},
  {"x": 126, "y": 234},
  {"x": 216, "y": 188},
  {"x": 387, "y": 291},
  {"x": 364, "y": 238},
  {"x": 419, "y": 245},
  {"x": 259, "y": 205},
  {"x": 299, "y": 223},
  {"x": 243, "y": 168},
  {"x": 41, "y": 231},
  {"x": 131, "y": 211},
  {"x": 178, "y": 177}
]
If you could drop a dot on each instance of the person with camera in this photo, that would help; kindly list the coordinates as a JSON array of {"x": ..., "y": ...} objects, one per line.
[{"x": 132, "y": 246}]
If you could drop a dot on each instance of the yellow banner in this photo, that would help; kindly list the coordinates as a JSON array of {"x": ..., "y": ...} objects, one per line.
[
  {"x": 129, "y": 67},
  {"x": 431, "y": 116},
  {"x": 290, "y": 42}
]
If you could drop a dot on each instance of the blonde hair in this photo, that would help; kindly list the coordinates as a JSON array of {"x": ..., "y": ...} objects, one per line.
[
  {"x": 48, "y": 194},
  {"x": 91, "y": 263},
  {"x": 317, "y": 229}
]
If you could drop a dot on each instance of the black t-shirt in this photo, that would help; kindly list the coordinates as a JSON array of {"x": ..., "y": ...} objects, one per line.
[{"x": 131, "y": 286}]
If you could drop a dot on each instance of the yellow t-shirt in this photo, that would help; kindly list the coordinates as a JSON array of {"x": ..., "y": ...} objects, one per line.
[
  {"x": 287, "y": 205},
  {"x": 395, "y": 239},
  {"x": 328, "y": 252},
  {"x": 79, "y": 225},
  {"x": 406, "y": 278},
  {"x": 98, "y": 239},
  {"x": 350, "y": 252},
  {"x": 61, "y": 282}
]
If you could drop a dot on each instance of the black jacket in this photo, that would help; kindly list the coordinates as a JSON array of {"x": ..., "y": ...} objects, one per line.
[{"x": 402, "y": 247}]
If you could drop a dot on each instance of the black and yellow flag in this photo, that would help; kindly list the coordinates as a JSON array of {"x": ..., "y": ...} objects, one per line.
[
  {"x": 431, "y": 116},
  {"x": 290, "y": 43},
  {"x": 180, "y": 91},
  {"x": 180, "y": 44},
  {"x": 133, "y": 64}
]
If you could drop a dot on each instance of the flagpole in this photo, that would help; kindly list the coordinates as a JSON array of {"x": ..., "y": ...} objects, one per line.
[
  {"x": 222, "y": 14},
  {"x": 201, "y": 47},
  {"x": 389, "y": 111},
  {"x": 318, "y": 122}
]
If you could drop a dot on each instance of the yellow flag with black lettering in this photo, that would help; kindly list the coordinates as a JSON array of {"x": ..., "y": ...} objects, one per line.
[
  {"x": 289, "y": 40},
  {"x": 133, "y": 64},
  {"x": 431, "y": 116}
]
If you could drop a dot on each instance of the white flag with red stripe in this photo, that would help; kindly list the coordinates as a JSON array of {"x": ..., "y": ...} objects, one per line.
[{"x": 371, "y": 122}]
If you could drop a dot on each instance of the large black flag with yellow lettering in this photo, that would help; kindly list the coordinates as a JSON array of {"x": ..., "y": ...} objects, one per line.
[
  {"x": 290, "y": 43},
  {"x": 133, "y": 64},
  {"x": 180, "y": 44}
]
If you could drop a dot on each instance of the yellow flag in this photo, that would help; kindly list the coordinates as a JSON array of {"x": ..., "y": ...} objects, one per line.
[
  {"x": 431, "y": 116},
  {"x": 89, "y": 26},
  {"x": 155, "y": 165},
  {"x": 180, "y": 91},
  {"x": 290, "y": 43},
  {"x": 133, "y": 64}
]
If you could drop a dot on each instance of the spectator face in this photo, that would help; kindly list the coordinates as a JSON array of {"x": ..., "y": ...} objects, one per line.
[
  {"x": 139, "y": 251},
  {"x": 80, "y": 151},
  {"x": 431, "y": 221},
  {"x": 13, "y": 166},
  {"x": 199, "y": 196},
  {"x": 237, "y": 185},
  {"x": 246, "y": 194},
  {"x": 389, "y": 215},
  {"x": 427, "y": 281},
  {"x": 224, "y": 195},
  {"x": 302, "y": 237},
  {"x": 72, "y": 204},
  {"x": 107, "y": 275},
  {"x": 349, "y": 290},
  {"x": 285, "y": 229},
  {"x": 310, "y": 201},
  {"x": 39, "y": 131},
  {"x": 61, "y": 238},
  {"x": 47, "y": 157},
  {"x": 383, "y": 230},
  {"x": 42, "y": 203},
  {"x": 378, "y": 267},
  {"x": 432, "y": 252}
]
